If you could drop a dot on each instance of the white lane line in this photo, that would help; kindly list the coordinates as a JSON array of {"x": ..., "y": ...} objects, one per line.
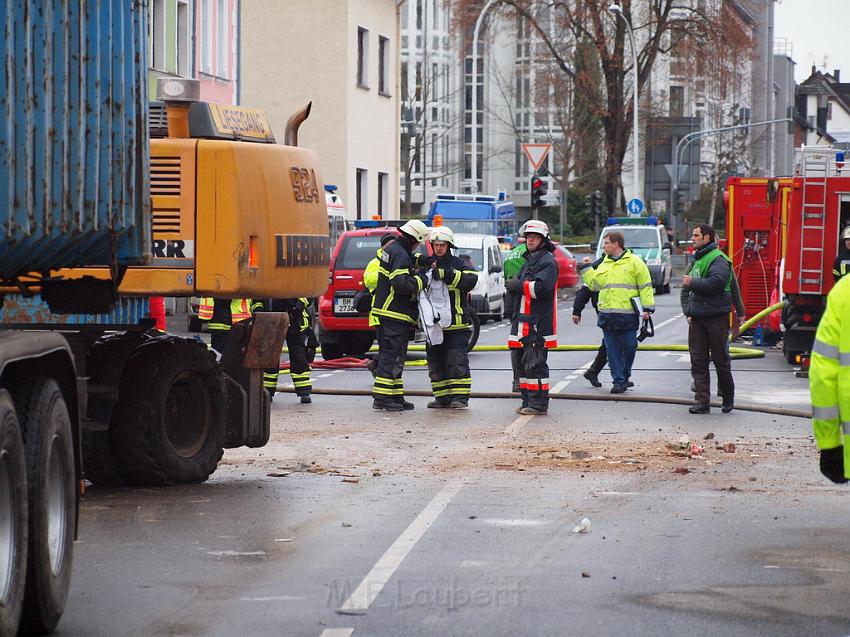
[
  {"x": 517, "y": 424},
  {"x": 668, "y": 321},
  {"x": 570, "y": 378},
  {"x": 337, "y": 632},
  {"x": 374, "y": 582}
]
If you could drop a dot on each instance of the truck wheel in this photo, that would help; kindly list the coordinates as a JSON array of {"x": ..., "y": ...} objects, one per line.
[
  {"x": 332, "y": 350},
  {"x": 13, "y": 517},
  {"x": 500, "y": 313},
  {"x": 49, "y": 448},
  {"x": 168, "y": 426},
  {"x": 484, "y": 314},
  {"x": 475, "y": 330}
]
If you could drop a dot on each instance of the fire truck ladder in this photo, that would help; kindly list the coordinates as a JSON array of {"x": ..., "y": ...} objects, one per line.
[{"x": 815, "y": 168}]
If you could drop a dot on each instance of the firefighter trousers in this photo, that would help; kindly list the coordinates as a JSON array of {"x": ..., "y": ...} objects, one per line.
[
  {"x": 448, "y": 368},
  {"x": 534, "y": 375},
  {"x": 218, "y": 340},
  {"x": 393, "y": 338},
  {"x": 299, "y": 364}
]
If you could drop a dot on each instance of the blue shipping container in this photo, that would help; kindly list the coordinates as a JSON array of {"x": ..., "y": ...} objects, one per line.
[{"x": 73, "y": 134}]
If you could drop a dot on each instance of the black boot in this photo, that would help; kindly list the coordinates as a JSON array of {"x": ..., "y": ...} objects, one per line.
[{"x": 592, "y": 377}]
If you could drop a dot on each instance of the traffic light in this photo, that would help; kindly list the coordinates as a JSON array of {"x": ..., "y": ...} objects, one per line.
[
  {"x": 681, "y": 200},
  {"x": 538, "y": 191}
]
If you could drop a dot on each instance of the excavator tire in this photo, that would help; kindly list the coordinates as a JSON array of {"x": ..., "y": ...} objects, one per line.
[{"x": 168, "y": 426}]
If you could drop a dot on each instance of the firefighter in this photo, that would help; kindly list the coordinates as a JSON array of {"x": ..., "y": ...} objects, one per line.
[
  {"x": 534, "y": 327},
  {"x": 396, "y": 307},
  {"x": 370, "y": 275},
  {"x": 222, "y": 314},
  {"x": 448, "y": 362},
  {"x": 842, "y": 261},
  {"x": 829, "y": 380},
  {"x": 300, "y": 341}
]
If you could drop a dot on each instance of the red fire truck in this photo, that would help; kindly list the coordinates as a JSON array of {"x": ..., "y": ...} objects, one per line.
[{"x": 783, "y": 236}]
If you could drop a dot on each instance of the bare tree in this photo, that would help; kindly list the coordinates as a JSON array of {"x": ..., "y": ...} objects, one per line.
[{"x": 657, "y": 25}]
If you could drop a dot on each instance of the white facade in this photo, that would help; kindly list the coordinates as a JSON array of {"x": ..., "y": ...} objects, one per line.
[
  {"x": 430, "y": 94},
  {"x": 343, "y": 56}
]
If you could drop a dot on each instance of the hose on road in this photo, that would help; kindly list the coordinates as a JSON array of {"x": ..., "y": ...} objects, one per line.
[{"x": 629, "y": 398}]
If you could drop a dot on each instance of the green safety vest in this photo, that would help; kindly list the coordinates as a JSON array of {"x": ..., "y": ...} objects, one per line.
[
  {"x": 829, "y": 374},
  {"x": 701, "y": 265}
]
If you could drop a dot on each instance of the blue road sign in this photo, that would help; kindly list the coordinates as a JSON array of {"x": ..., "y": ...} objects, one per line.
[{"x": 635, "y": 207}]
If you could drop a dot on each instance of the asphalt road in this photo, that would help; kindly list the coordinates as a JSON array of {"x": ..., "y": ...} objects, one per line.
[{"x": 356, "y": 522}]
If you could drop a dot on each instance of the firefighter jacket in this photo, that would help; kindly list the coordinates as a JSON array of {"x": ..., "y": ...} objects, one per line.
[
  {"x": 618, "y": 280},
  {"x": 842, "y": 264},
  {"x": 711, "y": 284},
  {"x": 829, "y": 374},
  {"x": 536, "y": 311},
  {"x": 223, "y": 313},
  {"x": 460, "y": 280},
  {"x": 398, "y": 284}
]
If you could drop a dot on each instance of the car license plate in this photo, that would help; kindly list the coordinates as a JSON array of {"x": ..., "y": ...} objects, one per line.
[{"x": 344, "y": 305}]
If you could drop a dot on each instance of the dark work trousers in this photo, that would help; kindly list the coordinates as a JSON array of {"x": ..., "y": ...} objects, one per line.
[
  {"x": 708, "y": 340},
  {"x": 218, "y": 340},
  {"x": 516, "y": 365},
  {"x": 448, "y": 368},
  {"x": 600, "y": 361},
  {"x": 621, "y": 346},
  {"x": 534, "y": 380},
  {"x": 299, "y": 363},
  {"x": 392, "y": 352}
]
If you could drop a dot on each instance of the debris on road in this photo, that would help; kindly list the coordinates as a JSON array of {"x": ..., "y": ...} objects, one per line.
[
  {"x": 583, "y": 527},
  {"x": 346, "y": 525},
  {"x": 696, "y": 450},
  {"x": 351, "y": 480},
  {"x": 281, "y": 474},
  {"x": 709, "y": 436},
  {"x": 682, "y": 470},
  {"x": 729, "y": 447},
  {"x": 585, "y": 574}
]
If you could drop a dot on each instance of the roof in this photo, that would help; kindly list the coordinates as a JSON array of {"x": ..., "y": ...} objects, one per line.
[{"x": 365, "y": 232}]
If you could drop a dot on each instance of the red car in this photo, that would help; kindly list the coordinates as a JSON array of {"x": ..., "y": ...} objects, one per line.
[
  {"x": 342, "y": 331},
  {"x": 567, "y": 270}
]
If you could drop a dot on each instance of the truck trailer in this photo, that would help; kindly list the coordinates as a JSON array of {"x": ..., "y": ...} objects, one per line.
[{"x": 107, "y": 200}]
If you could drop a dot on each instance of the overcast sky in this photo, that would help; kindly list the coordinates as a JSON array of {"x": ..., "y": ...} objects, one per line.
[{"x": 817, "y": 29}]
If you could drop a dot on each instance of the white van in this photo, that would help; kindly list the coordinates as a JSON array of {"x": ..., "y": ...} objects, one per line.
[
  {"x": 488, "y": 296},
  {"x": 650, "y": 244}
]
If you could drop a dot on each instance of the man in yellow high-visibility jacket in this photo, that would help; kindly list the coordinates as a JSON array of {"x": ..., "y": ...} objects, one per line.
[
  {"x": 222, "y": 314},
  {"x": 829, "y": 380},
  {"x": 621, "y": 277}
]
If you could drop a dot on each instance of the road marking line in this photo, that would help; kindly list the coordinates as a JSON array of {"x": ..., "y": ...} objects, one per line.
[
  {"x": 377, "y": 578},
  {"x": 337, "y": 632},
  {"x": 518, "y": 424},
  {"x": 570, "y": 378},
  {"x": 668, "y": 321}
]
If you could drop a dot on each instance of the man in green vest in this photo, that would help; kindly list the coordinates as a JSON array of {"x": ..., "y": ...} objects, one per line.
[
  {"x": 829, "y": 380},
  {"x": 708, "y": 306}
]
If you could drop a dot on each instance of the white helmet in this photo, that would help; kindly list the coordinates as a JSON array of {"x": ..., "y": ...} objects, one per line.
[
  {"x": 415, "y": 229},
  {"x": 442, "y": 233},
  {"x": 536, "y": 226},
  {"x": 846, "y": 233}
]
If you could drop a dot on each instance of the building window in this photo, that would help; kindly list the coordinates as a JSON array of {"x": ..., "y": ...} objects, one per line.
[
  {"x": 362, "y": 57},
  {"x": 206, "y": 37},
  {"x": 677, "y": 101},
  {"x": 362, "y": 193},
  {"x": 184, "y": 42},
  {"x": 221, "y": 47},
  {"x": 384, "y": 65},
  {"x": 383, "y": 193},
  {"x": 158, "y": 38}
]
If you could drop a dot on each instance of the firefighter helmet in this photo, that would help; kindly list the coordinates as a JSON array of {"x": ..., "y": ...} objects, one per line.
[
  {"x": 536, "y": 226},
  {"x": 846, "y": 233},
  {"x": 442, "y": 233},
  {"x": 415, "y": 229}
]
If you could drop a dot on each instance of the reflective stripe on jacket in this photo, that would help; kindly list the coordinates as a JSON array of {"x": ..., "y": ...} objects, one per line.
[
  {"x": 617, "y": 281},
  {"x": 205, "y": 309},
  {"x": 537, "y": 309},
  {"x": 829, "y": 374},
  {"x": 228, "y": 312},
  {"x": 398, "y": 285}
]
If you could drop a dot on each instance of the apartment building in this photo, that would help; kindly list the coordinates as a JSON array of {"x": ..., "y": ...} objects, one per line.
[
  {"x": 196, "y": 39},
  {"x": 343, "y": 56},
  {"x": 823, "y": 105}
]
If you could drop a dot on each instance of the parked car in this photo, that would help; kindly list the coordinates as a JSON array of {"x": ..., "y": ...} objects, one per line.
[
  {"x": 567, "y": 268},
  {"x": 342, "y": 330},
  {"x": 650, "y": 244},
  {"x": 488, "y": 296}
]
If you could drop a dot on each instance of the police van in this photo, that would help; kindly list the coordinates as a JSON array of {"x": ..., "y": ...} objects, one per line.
[{"x": 650, "y": 244}]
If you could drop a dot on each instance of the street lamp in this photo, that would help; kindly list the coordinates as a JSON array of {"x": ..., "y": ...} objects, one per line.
[
  {"x": 474, "y": 119},
  {"x": 617, "y": 10}
]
